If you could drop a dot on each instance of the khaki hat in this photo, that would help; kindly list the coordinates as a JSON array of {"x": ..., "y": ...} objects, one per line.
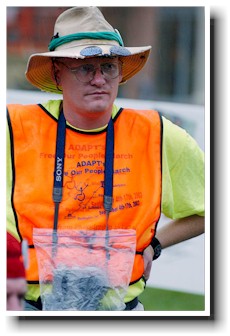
[{"x": 83, "y": 32}]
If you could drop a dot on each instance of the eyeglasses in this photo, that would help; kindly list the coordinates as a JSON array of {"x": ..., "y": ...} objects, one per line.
[{"x": 86, "y": 72}]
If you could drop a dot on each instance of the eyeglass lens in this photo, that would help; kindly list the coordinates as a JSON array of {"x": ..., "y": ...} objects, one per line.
[{"x": 86, "y": 72}]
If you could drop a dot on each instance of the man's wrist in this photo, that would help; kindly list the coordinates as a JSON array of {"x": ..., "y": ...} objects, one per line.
[{"x": 156, "y": 245}]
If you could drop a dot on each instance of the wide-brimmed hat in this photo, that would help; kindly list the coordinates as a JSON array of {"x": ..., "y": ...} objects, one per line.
[{"x": 82, "y": 32}]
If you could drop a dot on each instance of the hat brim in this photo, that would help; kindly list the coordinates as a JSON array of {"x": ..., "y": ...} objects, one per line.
[{"x": 39, "y": 70}]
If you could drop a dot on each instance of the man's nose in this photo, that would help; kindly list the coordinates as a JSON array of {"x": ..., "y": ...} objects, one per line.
[{"x": 98, "y": 77}]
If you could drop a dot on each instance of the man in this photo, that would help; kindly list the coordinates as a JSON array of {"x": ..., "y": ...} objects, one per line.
[
  {"x": 83, "y": 162},
  {"x": 16, "y": 281}
]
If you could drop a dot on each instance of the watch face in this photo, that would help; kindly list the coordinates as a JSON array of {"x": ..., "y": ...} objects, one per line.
[{"x": 157, "y": 251}]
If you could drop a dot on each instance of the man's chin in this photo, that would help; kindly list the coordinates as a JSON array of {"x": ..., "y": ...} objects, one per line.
[{"x": 98, "y": 108}]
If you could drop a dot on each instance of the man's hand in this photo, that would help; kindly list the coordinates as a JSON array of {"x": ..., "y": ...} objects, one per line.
[{"x": 148, "y": 258}]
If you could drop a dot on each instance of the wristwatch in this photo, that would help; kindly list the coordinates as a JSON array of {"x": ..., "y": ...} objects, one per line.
[{"x": 156, "y": 245}]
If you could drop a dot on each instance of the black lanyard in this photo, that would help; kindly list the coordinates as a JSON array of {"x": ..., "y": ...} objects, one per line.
[
  {"x": 59, "y": 169},
  {"x": 59, "y": 166}
]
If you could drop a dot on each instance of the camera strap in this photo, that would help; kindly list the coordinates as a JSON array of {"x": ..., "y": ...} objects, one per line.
[
  {"x": 59, "y": 165},
  {"x": 59, "y": 170}
]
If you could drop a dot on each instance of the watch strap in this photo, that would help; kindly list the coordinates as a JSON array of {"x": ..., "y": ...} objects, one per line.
[{"x": 156, "y": 245}]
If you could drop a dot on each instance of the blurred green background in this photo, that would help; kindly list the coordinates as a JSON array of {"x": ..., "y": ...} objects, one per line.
[{"x": 162, "y": 300}]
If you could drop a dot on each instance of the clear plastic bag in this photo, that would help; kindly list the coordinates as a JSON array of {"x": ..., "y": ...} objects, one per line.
[{"x": 85, "y": 269}]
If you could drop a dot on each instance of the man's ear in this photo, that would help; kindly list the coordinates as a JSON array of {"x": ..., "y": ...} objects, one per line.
[
  {"x": 120, "y": 77},
  {"x": 55, "y": 72}
]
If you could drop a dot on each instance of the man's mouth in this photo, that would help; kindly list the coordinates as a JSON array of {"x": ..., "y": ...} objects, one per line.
[{"x": 97, "y": 93}]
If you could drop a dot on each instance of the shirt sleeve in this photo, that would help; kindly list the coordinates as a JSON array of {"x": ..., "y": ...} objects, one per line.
[
  {"x": 182, "y": 173},
  {"x": 10, "y": 218}
]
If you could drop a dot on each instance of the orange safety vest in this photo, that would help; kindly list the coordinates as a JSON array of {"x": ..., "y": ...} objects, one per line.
[{"x": 136, "y": 182}]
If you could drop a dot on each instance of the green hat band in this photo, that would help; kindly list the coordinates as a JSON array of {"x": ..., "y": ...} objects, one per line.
[{"x": 57, "y": 41}]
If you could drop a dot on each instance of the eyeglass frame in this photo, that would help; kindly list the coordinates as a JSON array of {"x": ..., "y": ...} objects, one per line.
[{"x": 73, "y": 70}]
